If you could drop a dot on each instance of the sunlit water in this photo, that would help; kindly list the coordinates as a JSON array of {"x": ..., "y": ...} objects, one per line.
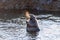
[{"x": 15, "y": 29}]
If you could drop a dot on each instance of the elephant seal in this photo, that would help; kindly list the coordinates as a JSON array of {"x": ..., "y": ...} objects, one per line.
[{"x": 31, "y": 21}]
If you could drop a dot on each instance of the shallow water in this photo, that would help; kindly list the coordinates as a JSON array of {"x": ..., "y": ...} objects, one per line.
[{"x": 15, "y": 29}]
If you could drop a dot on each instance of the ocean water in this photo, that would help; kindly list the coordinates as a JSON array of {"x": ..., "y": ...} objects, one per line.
[{"x": 15, "y": 28}]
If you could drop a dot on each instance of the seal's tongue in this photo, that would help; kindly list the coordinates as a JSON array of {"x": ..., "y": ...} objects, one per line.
[{"x": 27, "y": 15}]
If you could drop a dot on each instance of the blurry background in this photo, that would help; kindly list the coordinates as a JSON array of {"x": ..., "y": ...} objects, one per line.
[
  {"x": 16, "y": 7},
  {"x": 50, "y": 5}
]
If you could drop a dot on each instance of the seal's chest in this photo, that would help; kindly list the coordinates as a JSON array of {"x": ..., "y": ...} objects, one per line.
[{"x": 32, "y": 29}]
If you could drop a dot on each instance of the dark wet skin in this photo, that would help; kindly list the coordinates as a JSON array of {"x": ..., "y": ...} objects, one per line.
[{"x": 32, "y": 25}]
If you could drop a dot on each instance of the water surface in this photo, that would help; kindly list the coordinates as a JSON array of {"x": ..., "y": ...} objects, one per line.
[{"x": 15, "y": 28}]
